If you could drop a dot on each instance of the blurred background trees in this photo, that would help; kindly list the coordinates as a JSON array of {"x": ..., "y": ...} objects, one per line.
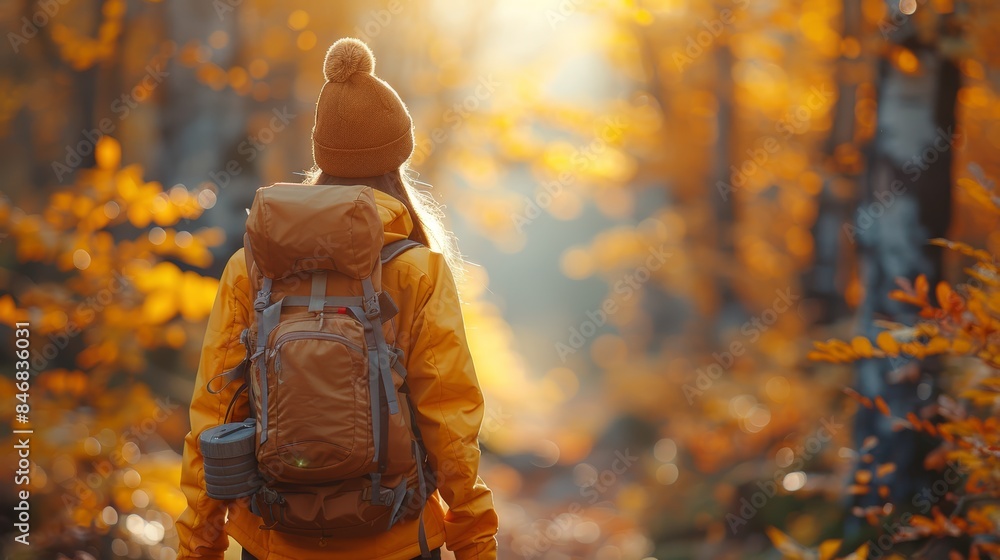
[{"x": 664, "y": 202}]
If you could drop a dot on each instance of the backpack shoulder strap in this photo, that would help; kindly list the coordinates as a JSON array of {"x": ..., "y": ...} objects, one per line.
[{"x": 396, "y": 248}]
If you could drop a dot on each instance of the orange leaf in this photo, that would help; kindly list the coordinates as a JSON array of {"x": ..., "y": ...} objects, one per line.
[
  {"x": 862, "y": 346},
  {"x": 905, "y": 297},
  {"x": 887, "y": 343},
  {"x": 943, "y": 292},
  {"x": 784, "y": 543},
  {"x": 921, "y": 287},
  {"x": 828, "y": 549},
  {"x": 817, "y": 356},
  {"x": 885, "y": 469},
  {"x": 937, "y": 345},
  {"x": 930, "y": 428},
  {"x": 882, "y": 406},
  {"x": 961, "y": 345},
  {"x": 865, "y": 401}
]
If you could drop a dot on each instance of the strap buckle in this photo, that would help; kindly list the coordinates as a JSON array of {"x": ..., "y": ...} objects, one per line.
[
  {"x": 270, "y": 496},
  {"x": 371, "y": 307},
  {"x": 261, "y": 301}
]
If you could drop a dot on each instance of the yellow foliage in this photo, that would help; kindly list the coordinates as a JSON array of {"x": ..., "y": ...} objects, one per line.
[{"x": 958, "y": 325}]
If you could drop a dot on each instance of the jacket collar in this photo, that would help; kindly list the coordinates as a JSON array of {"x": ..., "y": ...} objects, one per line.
[{"x": 396, "y": 221}]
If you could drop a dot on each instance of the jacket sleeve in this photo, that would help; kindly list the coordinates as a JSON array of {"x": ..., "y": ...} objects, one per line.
[
  {"x": 201, "y": 527},
  {"x": 449, "y": 408}
]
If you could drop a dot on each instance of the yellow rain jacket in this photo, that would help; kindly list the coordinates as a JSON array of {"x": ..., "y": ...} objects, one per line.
[{"x": 444, "y": 390}]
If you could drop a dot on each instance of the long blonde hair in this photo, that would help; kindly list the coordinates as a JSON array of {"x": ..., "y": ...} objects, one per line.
[{"x": 426, "y": 213}]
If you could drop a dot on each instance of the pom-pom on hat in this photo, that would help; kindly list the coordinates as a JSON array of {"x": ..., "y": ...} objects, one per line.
[{"x": 362, "y": 127}]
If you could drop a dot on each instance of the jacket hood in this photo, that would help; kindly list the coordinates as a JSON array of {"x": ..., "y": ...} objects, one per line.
[{"x": 396, "y": 221}]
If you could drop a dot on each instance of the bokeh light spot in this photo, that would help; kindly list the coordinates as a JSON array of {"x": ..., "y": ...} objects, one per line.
[{"x": 81, "y": 259}]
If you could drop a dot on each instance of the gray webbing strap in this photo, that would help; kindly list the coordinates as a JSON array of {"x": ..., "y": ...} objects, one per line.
[
  {"x": 398, "y": 495},
  {"x": 425, "y": 550},
  {"x": 396, "y": 362},
  {"x": 263, "y": 297},
  {"x": 229, "y": 376},
  {"x": 267, "y": 320},
  {"x": 232, "y": 402},
  {"x": 394, "y": 249},
  {"x": 417, "y": 436},
  {"x": 261, "y": 302},
  {"x": 370, "y": 303},
  {"x": 376, "y": 491},
  {"x": 381, "y": 347},
  {"x": 330, "y": 301},
  {"x": 387, "y": 307},
  {"x": 373, "y": 379},
  {"x": 317, "y": 294},
  {"x": 418, "y": 454},
  {"x": 247, "y": 371}
]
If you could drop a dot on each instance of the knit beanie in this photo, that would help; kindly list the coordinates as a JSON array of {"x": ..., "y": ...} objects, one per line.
[{"x": 362, "y": 127}]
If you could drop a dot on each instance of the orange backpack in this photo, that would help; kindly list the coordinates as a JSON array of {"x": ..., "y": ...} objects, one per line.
[{"x": 337, "y": 447}]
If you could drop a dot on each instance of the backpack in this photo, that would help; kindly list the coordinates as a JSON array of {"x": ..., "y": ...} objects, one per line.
[{"x": 338, "y": 452}]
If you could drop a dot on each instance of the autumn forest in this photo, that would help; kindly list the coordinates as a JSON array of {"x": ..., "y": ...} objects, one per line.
[{"x": 731, "y": 278}]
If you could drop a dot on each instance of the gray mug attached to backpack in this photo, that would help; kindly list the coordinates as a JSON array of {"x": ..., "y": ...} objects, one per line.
[{"x": 230, "y": 460}]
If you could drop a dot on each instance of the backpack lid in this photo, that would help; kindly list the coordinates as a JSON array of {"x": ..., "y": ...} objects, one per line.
[{"x": 295, "y": 228}]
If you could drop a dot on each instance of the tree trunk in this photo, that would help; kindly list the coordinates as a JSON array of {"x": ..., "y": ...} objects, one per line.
[
  {"x": 823, "y": 283},
  {"x": 730, "y": 311},
  {"x": 907, "y": 202}
]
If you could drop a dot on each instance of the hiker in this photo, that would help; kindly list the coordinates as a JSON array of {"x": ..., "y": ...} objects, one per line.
[{"x": 336, "y": 362}]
